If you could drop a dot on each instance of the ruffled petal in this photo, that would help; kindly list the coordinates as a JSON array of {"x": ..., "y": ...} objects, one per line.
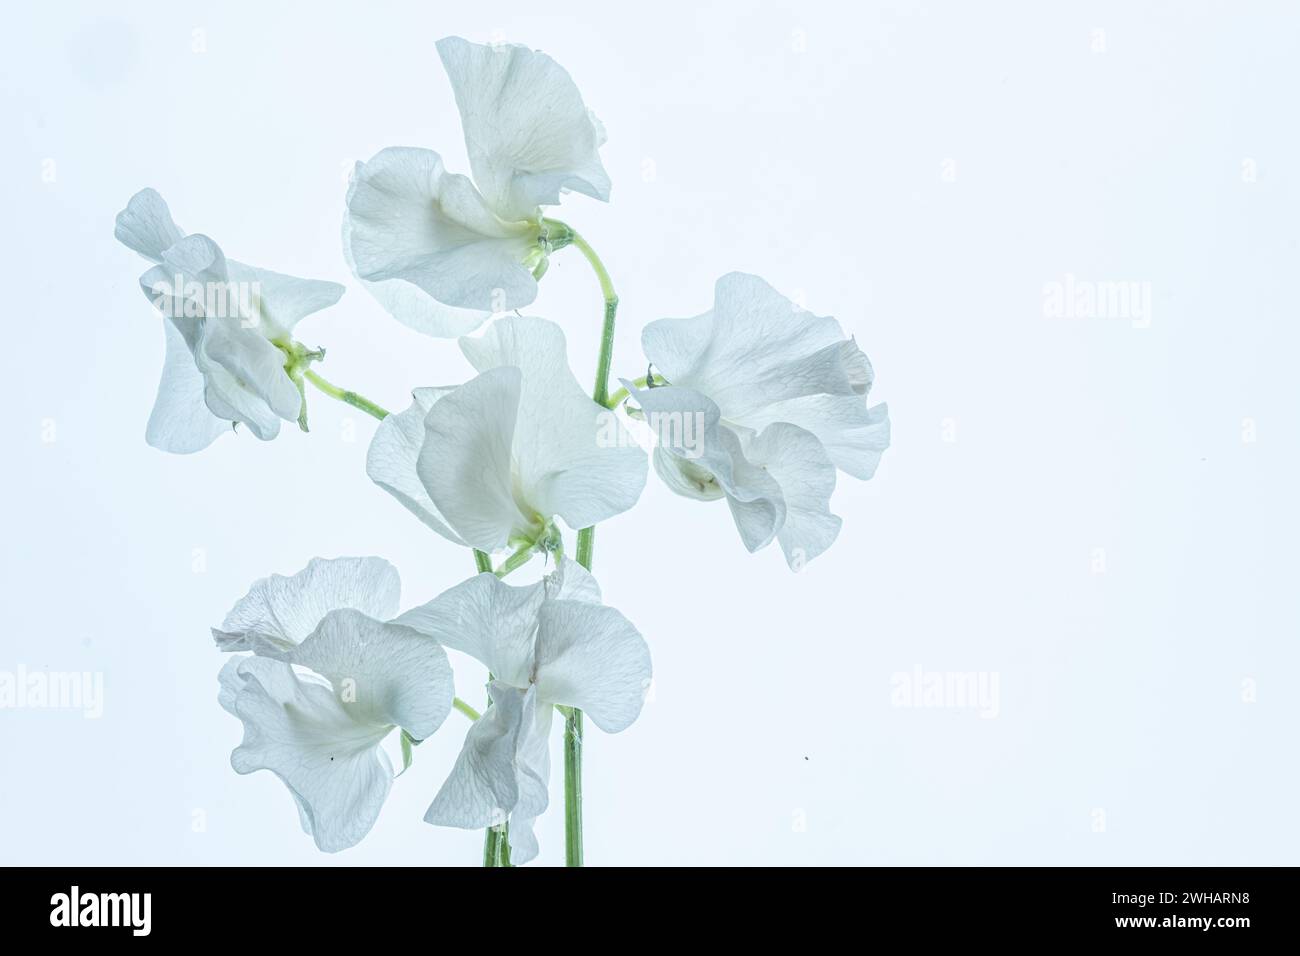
[
  {"x": 383, "y": 673},
  {"x": 411, "y": 305},
  {"x": 279, "y": 301},
  {"x": 493, "y": 622},
  {"x": 528, "y": 133},
  {"x": 754, "y": 348},
  {"x": 533, "y": 769},
  {"x": 279, "y": 612},
  {"x": 465, "y": 461},
  {"x": 394, "y": 453},
  {"x": 411, "y": 220},
  {"x": 298, "y": 729},
  {"x": 181, "y": 422},
  {"x": 570, "y": 581},
  {"x": 699, "y": 457},
  {"x": 806, "y": 474},
  {"x": 246, "y": 380},
  {"x": 503, "y": 771},
  {"x": 243, "y": 373},
  {"x": 853, "y": 435},
  {"x": 178, "y": 286},
  {"x": 574, "y": 458},
  {"x": 146, "y": 225},
  {"x": 592, "y": 658},
  {"x": 482, "y": 787}
]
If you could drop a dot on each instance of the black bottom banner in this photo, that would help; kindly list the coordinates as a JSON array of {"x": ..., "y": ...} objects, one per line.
[{"x": 1150, "y": 906}]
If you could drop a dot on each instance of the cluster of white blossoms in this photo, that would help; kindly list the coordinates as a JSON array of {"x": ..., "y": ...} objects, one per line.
[
  {"x": 324, "y": 666},
  {"x": 363, "y": 670}
]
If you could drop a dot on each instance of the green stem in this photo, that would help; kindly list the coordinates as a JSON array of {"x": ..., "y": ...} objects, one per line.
[
  {"x": 465, "y": 708},
  {"x": 573, "y": 788},
  {"x": 621, "y": 395},
  {"x": 496, "y": 847},
  {"x": 343, "y": 395},
  {"x": 600, "y": 394},
  {"x": 516, "y": 560},
  {"x": 496, "y": 839},
  {"x": 573, "y": 743},
  {"x": 586, "y": 543}
]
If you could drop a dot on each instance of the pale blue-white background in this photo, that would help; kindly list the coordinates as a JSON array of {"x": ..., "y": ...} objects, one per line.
[{"x": 918, "y": 170}]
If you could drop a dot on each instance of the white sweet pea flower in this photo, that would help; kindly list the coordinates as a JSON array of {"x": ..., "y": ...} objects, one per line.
[
  {"x": 764, "y": 401},
  {"x": 359, "y": 675},
  {"x": 229, "y": 332},
  {"x": 550, "y": 643},
  {"x": 442, "y": 252},
  {"x": 493, "y": 462}
]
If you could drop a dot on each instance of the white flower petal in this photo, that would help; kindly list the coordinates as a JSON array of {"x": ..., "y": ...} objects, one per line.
[
  {"x": 591, "y": 657},
  {"x": 493, "y": 622},
  {"x": 383, "y": 673},
  {"x": 246, "y": 380},
  {"x": 226, "y": 400},
  {"x": 411, "y": 305},
  {"x": 854, "y": 435},
  {"x": 279, "y": 300},
  {"x": 570, "y": 581},
  {"x": 686, "y": 476},
  {"x": 523, "y": 839},
  {"x": 283, "y": 299},
  {"x": 528, "y": 133},
  {"x": 193, "y": 259},
  {"x": 502, "y": 772},
  {"x": 465, "y": 461},
  {"x": 181, "y": 422},
  {"x": 394, "y": 452},
  {"x": 574, "y": 458},
  {"x": 754, "y": 348},
  {"x": 482, "y": 787},
  {"x": 178, "y": 286},
  {"x": 279, "y": 612},
  {"x": 411, "y": 220},
  {"x": 699, "y": 457},
  {"x": 146, "y": 226},
  {"x": 806, "y": 474},
  {"x": 331, "y": 763},
  {"x": 227, "y": 314},
  {"x": 689, "y": 453},
  {"x": 755, "y": 501},
  {"x": 243, "y": 372},
  {"x": 533, "y": 768}
]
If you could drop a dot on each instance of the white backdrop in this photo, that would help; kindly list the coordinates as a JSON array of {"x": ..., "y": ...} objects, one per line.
[{"x": 1099, "y": 512}]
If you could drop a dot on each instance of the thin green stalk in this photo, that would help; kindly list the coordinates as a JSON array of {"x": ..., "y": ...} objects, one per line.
[
  {"x": 586, "y": 542},
  {"x": 573, "y": 788},
  {"x": 573, "y": 743},
  {"x": 621, "y": 395},
  {"x": 600, "y": 394},
  {"x": 496, "y": 846},
  {"x": 343, "y": 395},
  {"x": 465, "y": 708},
  {"x": 517, "y": 560},
  {"x": 496, "y": 840}
]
